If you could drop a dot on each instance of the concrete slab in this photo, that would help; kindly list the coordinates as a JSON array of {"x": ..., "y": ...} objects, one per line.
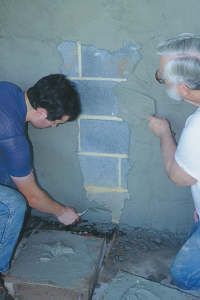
[
  {"x": 55, "y": 265},
  {"x": 125, "y": 286}
]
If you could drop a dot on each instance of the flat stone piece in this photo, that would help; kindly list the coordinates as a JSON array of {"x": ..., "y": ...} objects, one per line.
[
  {"x": 104, "y": 136},
  {"x": 103, "y": 63},
  {"x": 126, "y": 286},
  {"x": 58, "y": 262},
  {"x": 69, "y": 53},
  {"x": 97, "y": 97},
  {"x": 100, "y": 171}
]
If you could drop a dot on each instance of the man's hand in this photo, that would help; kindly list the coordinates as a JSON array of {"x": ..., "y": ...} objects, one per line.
[
  {"x": 68, "y": 216},
  {"x": 196, "y": 216},
  {"x": 159, "y": 126}
]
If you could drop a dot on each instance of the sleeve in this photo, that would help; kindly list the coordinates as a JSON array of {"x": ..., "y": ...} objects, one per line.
[
  {"x": 17, "y": 156},
  {"x": 187, "y": 154}
]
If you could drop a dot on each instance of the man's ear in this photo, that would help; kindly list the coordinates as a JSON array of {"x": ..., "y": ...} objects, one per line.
[
  {"x": 42, "y": 113},
  {"x": 183, "y": 90}
]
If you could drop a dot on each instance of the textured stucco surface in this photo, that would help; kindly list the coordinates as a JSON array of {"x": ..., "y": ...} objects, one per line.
[{"x": 30, "y": 32}]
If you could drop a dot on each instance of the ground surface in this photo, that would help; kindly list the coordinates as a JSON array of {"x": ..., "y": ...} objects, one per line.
[{"x": 137, "y": 252}]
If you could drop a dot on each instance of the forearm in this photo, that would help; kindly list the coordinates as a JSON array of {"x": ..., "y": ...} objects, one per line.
[
  {"x": 168, "y": 149},
  {"x": 161, "y": 128},
  {"x": 42, "y": 202},
  {"x": 37, "y": 198}
]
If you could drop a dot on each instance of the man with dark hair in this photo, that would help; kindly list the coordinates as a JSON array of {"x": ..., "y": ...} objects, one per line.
[
  {"x": 53, "y": 100},
  {"x": 179, "y": 71},
  {"x": 57, "y": 95}
]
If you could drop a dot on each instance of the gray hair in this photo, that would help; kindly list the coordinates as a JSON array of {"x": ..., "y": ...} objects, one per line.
[{"x": 185, "y": 66}]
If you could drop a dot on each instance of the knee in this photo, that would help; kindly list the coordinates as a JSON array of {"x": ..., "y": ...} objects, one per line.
[
  {"x": 15, "y": 202},
  {"x": 178, "y": 276},
  {"x": 185, "y": 276},
  {"x": 20, "y": 206}
]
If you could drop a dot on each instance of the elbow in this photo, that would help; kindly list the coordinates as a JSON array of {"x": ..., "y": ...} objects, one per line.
[
  {"x": 32, "y": 201},
  {"x": 181, "y": 182}
]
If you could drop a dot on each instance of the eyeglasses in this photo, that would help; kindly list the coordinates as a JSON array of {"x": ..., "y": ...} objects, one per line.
[{"x": 158, "y": 78}]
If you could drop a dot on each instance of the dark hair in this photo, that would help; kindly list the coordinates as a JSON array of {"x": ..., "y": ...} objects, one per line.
[{"x": 57, "y": 95}]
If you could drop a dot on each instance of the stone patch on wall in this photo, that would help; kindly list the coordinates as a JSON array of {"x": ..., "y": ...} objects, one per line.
[
  {"x": 98, "y": 97},
  {"x": 70, "y": 58},
  {"x": 102, "y": 63},
  {"x": 103, "y": 135},
  {"x": 102, "y": 171}
]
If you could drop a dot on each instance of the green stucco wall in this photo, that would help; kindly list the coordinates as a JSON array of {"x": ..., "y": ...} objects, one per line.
[{"x": 30, "y": 32}]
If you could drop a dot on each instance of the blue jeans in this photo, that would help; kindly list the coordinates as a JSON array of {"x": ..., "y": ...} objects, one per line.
[
  {"x": 12, "y": 211},
  {"x": 185, "y": 269}
]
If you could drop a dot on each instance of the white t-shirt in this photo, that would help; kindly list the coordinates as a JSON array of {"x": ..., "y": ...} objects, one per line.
[{"x": 187, "y": 153}]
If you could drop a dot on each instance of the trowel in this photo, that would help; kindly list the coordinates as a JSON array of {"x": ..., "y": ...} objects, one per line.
[{"x": 83, "y": 212}]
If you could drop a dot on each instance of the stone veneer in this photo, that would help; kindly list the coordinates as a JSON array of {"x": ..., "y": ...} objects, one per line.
[{"x": 103, "y": 134}]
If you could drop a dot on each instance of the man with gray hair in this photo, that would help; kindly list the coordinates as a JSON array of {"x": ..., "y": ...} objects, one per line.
[{"x": 180, "y": 72}]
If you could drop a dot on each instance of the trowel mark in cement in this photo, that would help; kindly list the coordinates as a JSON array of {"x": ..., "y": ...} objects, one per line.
[
  {"x": 103, "y": 135},
  {"x": 52, "y": 251}
]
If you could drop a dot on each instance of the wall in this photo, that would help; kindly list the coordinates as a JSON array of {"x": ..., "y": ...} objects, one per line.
[{"x": 30, "y": 33}]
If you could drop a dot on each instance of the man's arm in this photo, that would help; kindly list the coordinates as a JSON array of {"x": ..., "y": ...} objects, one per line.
[
  {"x": 40, "y": 200},
  {"x": 161, "y": 128}
]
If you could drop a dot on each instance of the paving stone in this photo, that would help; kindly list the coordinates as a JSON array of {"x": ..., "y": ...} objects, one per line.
[
  {"x": 97, "y": 97},
  {"x": 99, "y": 171},
  {"x": 104, "y": 63},
  {"x": 104, "y": 136},
  {"x": 55, "y": 265},
  {"x": 127, "y": 286},
  {"x": 69, "y": 54}
]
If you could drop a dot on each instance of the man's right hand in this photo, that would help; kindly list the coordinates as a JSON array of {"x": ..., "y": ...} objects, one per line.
[
  {"x": 159, "y": 126},
  {"x": 196, "y": 216},
  {"x": 68, "y": 216}
]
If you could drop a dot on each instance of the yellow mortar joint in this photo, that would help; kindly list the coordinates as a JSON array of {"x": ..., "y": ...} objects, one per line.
[
  {"x": 99, "y": 189},
  {"x": 100, "y": 117},
  {"x": 79, "y": 59},
  {"x": 99, "y": 78},
  {"x": 114, "y": 155},
  {"x": 79, "y": 136},
  {"x": 119, "y": 173}
]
